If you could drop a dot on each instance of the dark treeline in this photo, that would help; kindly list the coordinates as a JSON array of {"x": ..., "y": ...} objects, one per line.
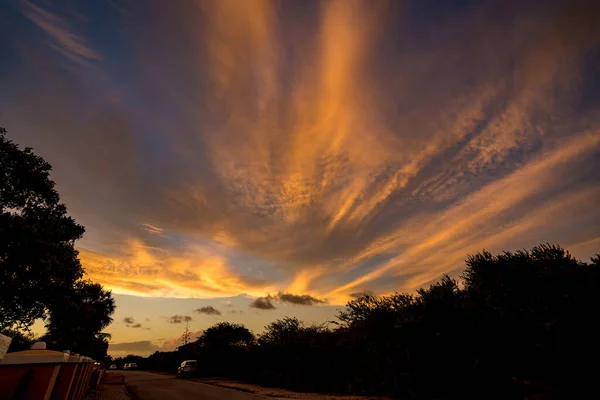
[{"x": 516, "y": 325}]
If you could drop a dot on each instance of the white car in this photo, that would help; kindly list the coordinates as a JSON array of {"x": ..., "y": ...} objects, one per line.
[
  {"x": 114, "y": 366},
  {"x": 130, "y": 366}
]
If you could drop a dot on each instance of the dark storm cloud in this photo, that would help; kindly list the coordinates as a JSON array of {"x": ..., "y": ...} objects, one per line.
[
  {"x": 209, "y": 310},
  {"x": 266, "y": 302},
  {"x": 262, "y": 303},
  {"x": 304, "y": 300}
]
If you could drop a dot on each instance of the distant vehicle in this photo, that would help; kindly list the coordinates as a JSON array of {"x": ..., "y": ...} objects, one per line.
[
  {"x": 187, "y": 368},
  {"x": 130, "y": 366},
  {"x": 114, "y": 366}
]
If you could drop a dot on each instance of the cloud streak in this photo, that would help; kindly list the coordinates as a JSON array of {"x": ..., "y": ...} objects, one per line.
[
  {"x": 136, "y": 267},
  {"x": 63, "y": 38},
  {"x": 312, "y": 150}
]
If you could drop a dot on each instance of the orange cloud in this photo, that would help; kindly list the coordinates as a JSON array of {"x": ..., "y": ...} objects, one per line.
[
  {"x": 321, "y": 178},
  {"x": 438, "y": 243},
  {"x": 336, "y": 142},
  {"x": 140, "y": 269}
]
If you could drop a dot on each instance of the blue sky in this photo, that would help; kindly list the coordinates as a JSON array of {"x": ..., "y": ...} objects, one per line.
[{"x": 225, "y": 151}]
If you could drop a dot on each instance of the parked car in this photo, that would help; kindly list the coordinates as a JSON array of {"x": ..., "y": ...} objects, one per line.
[
  {"x": 187, "y": 368},
  {"x": 130, "y": 366},
  {"x": 114, "y": 366}
]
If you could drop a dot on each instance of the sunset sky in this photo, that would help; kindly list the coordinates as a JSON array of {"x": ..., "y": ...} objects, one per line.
[{"x": 272, "y": 158}]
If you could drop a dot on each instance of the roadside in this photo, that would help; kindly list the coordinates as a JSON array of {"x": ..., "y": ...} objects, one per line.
[
  {"x": 148, "y": 386},
  {"x": 272, "y": 391},
  {"x": 279, "y": 393},
  {"x": 137, "y": 382}
]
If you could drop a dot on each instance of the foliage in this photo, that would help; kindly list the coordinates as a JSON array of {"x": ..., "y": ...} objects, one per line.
[
  {"x": 225, "y": 344},
  {"x": 290, "y": 354},
  {"x": 40, "y": 274},
  {"x": 226, "y": 334},
  {"x": 37, "y": 236},
  {"x": 20, "y": 340},
  {"x": 517, "y": 324},
  {"x": 77, "y": 318}
]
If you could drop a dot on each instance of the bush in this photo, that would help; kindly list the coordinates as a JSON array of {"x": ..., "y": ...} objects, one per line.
[{"x": 521, "y": 323}]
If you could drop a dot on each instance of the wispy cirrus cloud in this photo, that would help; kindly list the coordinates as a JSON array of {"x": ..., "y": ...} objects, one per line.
[
  {"x": 63, "y": 39},
  {"x": 315, "y": 151},
  {"x": 152, "y": 229}
]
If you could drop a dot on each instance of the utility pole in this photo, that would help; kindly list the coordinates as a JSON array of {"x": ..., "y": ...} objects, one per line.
[{"x": 186, "y": 333}]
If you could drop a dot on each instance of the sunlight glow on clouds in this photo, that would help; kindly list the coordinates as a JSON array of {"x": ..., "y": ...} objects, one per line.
[
  {"x": 154, "y": 271},
  {"x": 311, "y": 149}
]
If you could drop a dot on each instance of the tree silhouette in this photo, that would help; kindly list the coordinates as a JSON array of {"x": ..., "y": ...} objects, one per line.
[
  {"x": 39, "y": 261},
  {"x": 226, "y": 335},
  {"x": 40, "y": 272},
  {"x": 535, "y": 307},
  {"x": 225, "y": 345},
  {"x": 518, "y": 325},
  {"x": 76, "y": 320},
  {"x": 292, "y": 354}
]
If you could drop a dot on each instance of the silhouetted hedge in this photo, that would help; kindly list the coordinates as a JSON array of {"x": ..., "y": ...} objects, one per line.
[{"x": 519, "y": 324}]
